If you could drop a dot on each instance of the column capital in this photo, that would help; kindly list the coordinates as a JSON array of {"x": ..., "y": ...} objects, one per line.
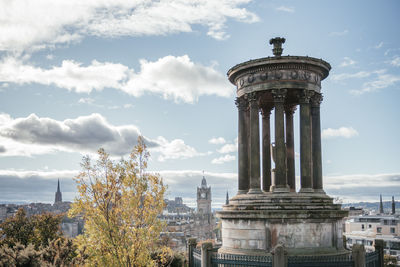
[
  {"x": 305, "y": 96},
  {"x": 266, "y": 110},
  {"x": 252, "y": 97},
  {"x": 241, "y": 103},
  {"x": 316, "y": 100},
  {"x": 279, "y": 95},
  {"x": 290, "y": 109}
]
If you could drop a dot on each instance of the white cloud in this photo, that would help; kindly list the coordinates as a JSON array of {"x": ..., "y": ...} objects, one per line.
[
  {"x": 344, "y": 32},
  {"x": 228, "y": 148},
  {"x": 33, "y": 135},
  {"x": 40, "y": 186},
  {"x": 223, "y": 159},
  {"x": 71, "y": 21},
  {"x": 346, "y": 132},
  {"x": 357, "y": 75},
  {"x": 86, "y": 100},
  {"x": 347, "y": 62},
  {"x": 381, "y": 82},
  {"x": 217, "y": 141},
  {"x": 285, "y": 9},
  {"x": 172, "y": 77},
  {"x": 362, "y": 187},
  {"x": 175, "y": 149},
  {"x": 395, "y": 61},
  {"x": 177, "y": 78},
  {"x": 128, "y": 106},
  {"x": 378, "y": 45}
]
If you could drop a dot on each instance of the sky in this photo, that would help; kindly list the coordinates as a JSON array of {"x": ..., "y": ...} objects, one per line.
[{"x": 79, "y": 75}]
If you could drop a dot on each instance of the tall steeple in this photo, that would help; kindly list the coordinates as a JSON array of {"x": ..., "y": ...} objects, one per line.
[
  {"x": 393, "y": 206},
  {"x": 58, "y": 197},
  {"x": 227, "y": 198},
  {"x": 380, "y": 205}
]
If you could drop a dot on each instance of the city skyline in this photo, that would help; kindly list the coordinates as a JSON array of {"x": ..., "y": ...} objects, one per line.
[{"x": 99, "y": 75}]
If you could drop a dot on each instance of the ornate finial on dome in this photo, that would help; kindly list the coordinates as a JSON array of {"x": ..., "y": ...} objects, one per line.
[{"x": 277, "y": 42}]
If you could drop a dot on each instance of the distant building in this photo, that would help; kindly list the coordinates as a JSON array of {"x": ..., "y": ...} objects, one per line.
[
  {"x": 58, "y": 197},
  {"x": 184, "y": 222},
  {"x": 365, "y": 229}
]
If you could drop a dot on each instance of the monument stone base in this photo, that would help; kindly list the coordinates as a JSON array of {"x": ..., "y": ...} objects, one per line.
[{"x": 304, "y": 223}]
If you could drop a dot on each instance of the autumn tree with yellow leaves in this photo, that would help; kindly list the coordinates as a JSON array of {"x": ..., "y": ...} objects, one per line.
[{"x": 120, "y": 203}]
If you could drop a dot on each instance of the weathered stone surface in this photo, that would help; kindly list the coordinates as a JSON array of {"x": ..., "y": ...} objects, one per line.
[{"x": 305, "y": 222}]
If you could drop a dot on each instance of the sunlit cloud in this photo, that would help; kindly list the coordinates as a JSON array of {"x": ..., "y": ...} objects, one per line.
[
  {"x": 345, "y": 132},
  {"x": 176, "y": 78},
  {"x": 223, "y": 159},
  {"x": 71, "y": 21},
  {"x": 285, "y": 9}
]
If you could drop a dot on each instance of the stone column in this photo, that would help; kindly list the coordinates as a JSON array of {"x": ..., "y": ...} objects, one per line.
[
  {"x": 243, "y": 145},
  {"x": 280, "y": 157},
  {"x": 255, "y": 185},
  {"x": 305, "y": 142},
  {"x": 266, "y": 148},
  {"x": 192, "y": 242},
  {"x": 316, "y": 143},
  {"x": 291, "y": 178}
]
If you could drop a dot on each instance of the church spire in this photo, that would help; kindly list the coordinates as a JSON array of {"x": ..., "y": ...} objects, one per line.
[
  {"x": 380, "y": 204},
  {"x": 227, "y": 198},
  {"x": 58, "y": 197}
]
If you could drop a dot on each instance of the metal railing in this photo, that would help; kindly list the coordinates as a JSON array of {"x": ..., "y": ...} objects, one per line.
[
  {"x": 228, "y": 260},
  {"x": 317, "y": 261},
  {"x": 372, "y": 259},
  {"x": 196, "y": 257}
]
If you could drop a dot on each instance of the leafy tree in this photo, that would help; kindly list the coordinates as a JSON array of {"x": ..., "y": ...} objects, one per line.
[
  {"x": 120, "y": 203},
  {"x": 46, "y": 228},
  {"x": 37, "y": 229},
  {"x": 17, "y": 229},
  {"x": 19, "y": 256}
]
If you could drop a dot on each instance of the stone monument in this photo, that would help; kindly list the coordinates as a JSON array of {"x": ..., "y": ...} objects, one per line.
[{"x": 269, "y": 212}]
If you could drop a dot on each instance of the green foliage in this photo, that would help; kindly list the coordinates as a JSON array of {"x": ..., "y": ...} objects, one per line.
[
  {"x": 36, "y": 241},
  {"x": 19, "y": 256},
  {"x": 120, "y": 203},
  {"x": 389, "y": 260},
  {"x": 17, "y": 229},
  {"x": 36, "y": 230}
]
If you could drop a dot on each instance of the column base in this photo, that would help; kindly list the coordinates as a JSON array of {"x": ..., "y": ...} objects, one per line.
[
  {"x": 275, "y": 189},
  {"x": 241, "y": 192},
  {"x": 319, "y": 191},
  {"x": 306, "y": 190},
  {"x": 255, "y": 191}
]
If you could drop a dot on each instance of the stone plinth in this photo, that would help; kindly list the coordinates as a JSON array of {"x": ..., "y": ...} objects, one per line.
[{"x": 303, "y": 223}]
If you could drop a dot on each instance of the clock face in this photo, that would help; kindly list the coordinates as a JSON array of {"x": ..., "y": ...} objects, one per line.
[{"x": 203, "y": 195}]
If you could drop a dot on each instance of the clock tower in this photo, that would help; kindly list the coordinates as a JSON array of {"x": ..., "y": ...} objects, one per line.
[{"x": 204, "y": 198}]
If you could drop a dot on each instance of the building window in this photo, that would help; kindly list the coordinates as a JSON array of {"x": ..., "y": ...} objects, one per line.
[
  {"x": 392, "y": 230},
  {"x": 362, "y": 227},
  {"x": 369, "y": 226},
  {"x": 369, "y": 242},
  {"x": 349, "y": 240},
  {"x": 385, "y": 222},
  {"x": 379, "y": 230}
]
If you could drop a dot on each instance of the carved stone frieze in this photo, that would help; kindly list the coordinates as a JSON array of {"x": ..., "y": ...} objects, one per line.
[{"x": 295, "y": 75}]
